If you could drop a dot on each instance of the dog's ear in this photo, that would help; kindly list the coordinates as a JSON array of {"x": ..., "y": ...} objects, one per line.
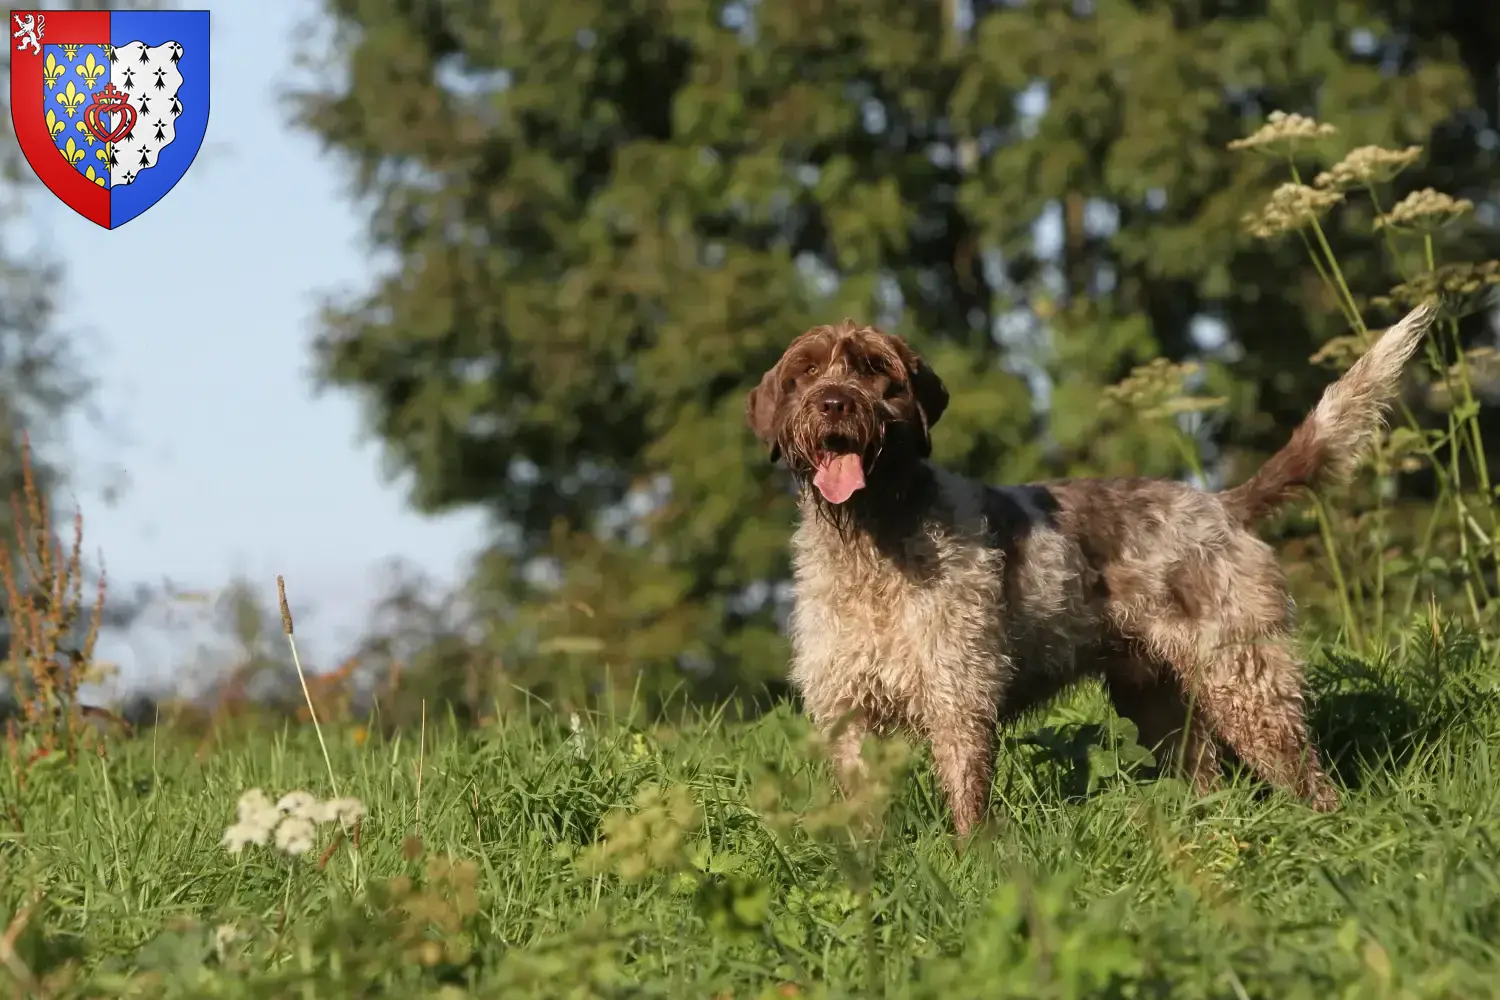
[
  {"x": 760, "y": 410},
  {"x": 927, "y": 390}
]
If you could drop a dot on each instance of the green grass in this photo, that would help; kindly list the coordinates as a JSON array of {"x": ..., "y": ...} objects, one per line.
[{"x": 1098, "y": 880}]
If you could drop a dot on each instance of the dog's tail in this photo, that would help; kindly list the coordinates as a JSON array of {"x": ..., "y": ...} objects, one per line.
[{"x": 1328, "y": 445}]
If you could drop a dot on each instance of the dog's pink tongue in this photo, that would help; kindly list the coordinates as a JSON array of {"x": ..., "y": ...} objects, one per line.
[{"x": 838, "y": 476}]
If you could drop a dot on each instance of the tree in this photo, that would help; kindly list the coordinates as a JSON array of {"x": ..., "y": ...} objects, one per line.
[{"x": 607, "y": 219}]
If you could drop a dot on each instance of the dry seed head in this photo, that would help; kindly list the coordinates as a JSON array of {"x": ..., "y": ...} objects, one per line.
[
  {"x": 286, "y": 609},
  {"x": 1282, "y": 132},
  {"x": 1367, "y": 165},
  {"x": 1425, "y": 211},
  {"x": 1290, "y": 207}
]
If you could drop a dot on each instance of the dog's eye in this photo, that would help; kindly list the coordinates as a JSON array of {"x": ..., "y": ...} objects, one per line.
[{"x": 812, "y": 369}]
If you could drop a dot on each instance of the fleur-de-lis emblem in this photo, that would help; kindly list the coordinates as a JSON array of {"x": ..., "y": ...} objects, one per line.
[
  {"x": 83, "y": 128},
  {"x": 71, "y": 51},
  {"x": 91, "y": 70},
  {"x": 106, "y": 155},
  {"x": 54, "y": 123},
  {"x": 72, "y": 152},
  {"x": 96, "y": 178},
  {"x": 71, "y": 99},
  {"x": 51, "y": 70}
]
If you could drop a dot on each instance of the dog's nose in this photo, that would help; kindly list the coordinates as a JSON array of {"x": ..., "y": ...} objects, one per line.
[{"x": 835, "y": 403}]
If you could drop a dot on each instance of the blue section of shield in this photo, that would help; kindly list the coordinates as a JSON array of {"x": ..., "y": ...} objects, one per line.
[
  {"x": 71, "y": 76},
  {"x": 189, "y": 28}
]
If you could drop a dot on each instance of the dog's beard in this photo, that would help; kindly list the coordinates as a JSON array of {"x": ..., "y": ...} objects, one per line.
[{"x": 833, "y": 456}]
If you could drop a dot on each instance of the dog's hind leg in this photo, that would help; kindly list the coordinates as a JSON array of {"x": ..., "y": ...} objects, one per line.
[
  {"x": 1249, "y": 691},
  {"x": 1151, "y": 696}
]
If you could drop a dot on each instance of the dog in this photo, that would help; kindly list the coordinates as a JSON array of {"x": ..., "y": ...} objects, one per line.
[{"x": 929, "y": 603}]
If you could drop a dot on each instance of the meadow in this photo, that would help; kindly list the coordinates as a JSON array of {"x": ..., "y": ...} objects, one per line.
[
  {"x": 552, "y": 855},
  {"x": 726, "y": 868}
]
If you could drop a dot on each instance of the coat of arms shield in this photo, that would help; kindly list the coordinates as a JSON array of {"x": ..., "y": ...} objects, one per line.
[{"x": 110, "y": 107}]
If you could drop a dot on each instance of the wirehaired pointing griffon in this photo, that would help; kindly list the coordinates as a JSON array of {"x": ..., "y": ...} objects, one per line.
[{"x": 939, "y": 605}]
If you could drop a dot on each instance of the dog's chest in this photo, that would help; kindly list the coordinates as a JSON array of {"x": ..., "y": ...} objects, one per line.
[{"x": 895, "y": 638}]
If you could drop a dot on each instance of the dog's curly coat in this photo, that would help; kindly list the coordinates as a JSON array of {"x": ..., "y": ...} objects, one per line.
[{"x": 928, "y": 602}]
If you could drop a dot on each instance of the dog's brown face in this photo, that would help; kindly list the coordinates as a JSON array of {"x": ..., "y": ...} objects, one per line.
[{"x": 842, "y": 399}]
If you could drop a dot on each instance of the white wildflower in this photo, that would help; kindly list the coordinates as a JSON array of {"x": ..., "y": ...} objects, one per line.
[
  {"x": 255, "y": 807},
  {"x": 297, "y": 803},
  {"x": 579, "y": 741},
  {"x": 291, "y": 822},
  {"x": 240, "y": 835},
  {"x": 256, "y": 817},
  {"x": 225, "y": 936},
  {"x": 295, "y": 835},
  {"x": 343, "y": 811}
]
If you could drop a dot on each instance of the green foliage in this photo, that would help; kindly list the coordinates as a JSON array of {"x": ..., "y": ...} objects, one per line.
[
  {"x": 522, "y": 859},
  {"x": 605, "y": 220}
]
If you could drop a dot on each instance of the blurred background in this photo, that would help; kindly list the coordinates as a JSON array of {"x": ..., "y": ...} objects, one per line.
[{"x": 464, "y": 299}]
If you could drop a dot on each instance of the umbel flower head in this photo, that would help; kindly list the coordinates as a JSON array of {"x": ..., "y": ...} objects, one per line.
[
  {"x": 291, "y": 822},
  {"x": 1366, "y": 166},
  {"x": 1426, "y": 210},
  {"x": 1282, "y": 133},
  {"x": 1292, "y": 206},
  {"x": 1460, "y": 289},
  {"x": 1155, "y": 391}
]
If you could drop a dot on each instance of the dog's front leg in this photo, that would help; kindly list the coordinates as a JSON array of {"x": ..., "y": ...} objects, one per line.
[{"x": 964, "y": 756}]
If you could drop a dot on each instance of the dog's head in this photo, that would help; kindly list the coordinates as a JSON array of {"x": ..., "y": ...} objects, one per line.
[{"x": 843, "y": 401}]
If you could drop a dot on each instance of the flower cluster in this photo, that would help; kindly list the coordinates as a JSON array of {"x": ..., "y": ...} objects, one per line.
[
  {"x": 1291, "y": 207},
  {"x": 1155, "y": 391},
  {"x": 1366, "y": 166},
  {"x": 1458, "y": 288},
  {"x": 651, "y": 837},
  {"x": 1281, "y": 133},
  {"x": 1425, "y": 211},
  {"x": 787, "y": 803},
  {"x": 291, "y": 822},
  {"x": 1340, "y": 353}
]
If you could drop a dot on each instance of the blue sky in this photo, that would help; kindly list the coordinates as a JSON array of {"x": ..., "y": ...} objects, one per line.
[{"x": 230, "y": 465}]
